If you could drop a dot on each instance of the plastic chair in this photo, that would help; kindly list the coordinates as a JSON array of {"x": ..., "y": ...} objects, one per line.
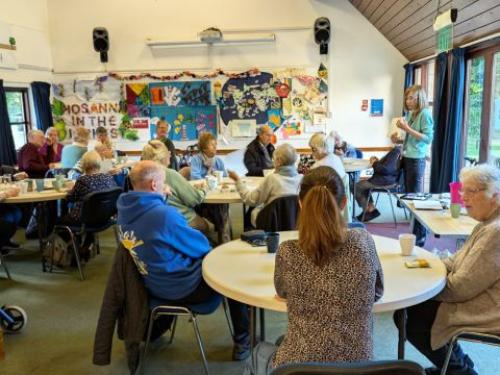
[
  {"x": 391, "y": 191},
  {"x": 401, "y": 367},
  {"x": 97, "y": 213},
  {"x": 280, "y": 214},
  {"x": 481, "y": 338}
]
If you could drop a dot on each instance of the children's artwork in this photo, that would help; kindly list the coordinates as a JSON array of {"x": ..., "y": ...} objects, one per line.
[
  {"x": 243, "y": 128},
  {"x": 137, "y": 95},
  {"x": 274, "y": 118},
  {"x": 249, "y": 98},
  {"x": 291, "y": 127},
  {"x": 188, "y": 121},
  {"x": 180, "y": 93},
  {"x": 101, "y": 89}
]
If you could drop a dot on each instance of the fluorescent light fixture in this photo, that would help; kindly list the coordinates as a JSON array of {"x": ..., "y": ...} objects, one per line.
[{"x": 228, "y": 40}]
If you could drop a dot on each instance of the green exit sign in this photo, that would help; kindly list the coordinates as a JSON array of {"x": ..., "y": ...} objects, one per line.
[{"x": 444, "y": 39}]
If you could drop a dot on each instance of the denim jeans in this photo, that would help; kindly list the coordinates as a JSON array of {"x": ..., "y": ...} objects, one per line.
[{"x": 414, "y": 174}]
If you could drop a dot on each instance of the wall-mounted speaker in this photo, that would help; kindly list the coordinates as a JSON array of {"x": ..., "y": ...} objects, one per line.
[
  {"x": 100, "y": 38},
  {"x": 322, "y": 34}
]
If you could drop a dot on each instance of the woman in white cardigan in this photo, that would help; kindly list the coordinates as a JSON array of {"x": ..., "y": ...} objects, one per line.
[
  {"x": 470, "y": 301},
  {"x": 285, "y": 180}
]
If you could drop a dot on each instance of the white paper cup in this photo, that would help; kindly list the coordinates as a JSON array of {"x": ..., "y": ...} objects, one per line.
[
  {"x": 219, "y": 175},
  {"x": 211, "y": 182},
  {"x": 23, "y": 185},
  {"x": 407, "y": 243}
]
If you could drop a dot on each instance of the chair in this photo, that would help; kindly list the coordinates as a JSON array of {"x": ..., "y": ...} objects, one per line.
[
  {"x": 356, "y": 224},
  {"x": 392, "y": 191},
  {"x": 97, "y": 213},
  {"x": 7, "y": 230},
  {"x": 395, "y": 367},
  {"x": 359, "y": 153},
  {"x": 481, "y": 338},
  {"x": 280, "y": 214},
  {"x": 2, "y": 263},
  {"x": 162, "y": 308}
]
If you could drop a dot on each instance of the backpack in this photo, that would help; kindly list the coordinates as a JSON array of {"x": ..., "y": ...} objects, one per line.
[{"x": 57, "y": 252}]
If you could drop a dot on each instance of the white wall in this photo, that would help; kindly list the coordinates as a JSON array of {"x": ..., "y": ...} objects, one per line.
[{"x": 362, "y": 63}]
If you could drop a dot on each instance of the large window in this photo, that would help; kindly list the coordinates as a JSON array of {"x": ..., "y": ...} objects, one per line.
[
  {"x": 19, "y": 114},
  {"x": 482, "y": 106}
]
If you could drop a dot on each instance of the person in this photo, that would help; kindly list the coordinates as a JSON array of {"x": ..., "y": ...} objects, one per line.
[
  {"x": 90, "y": 181},
  {"x": 71, "y": 154},
  {"x": 322, "y": 148},
  {"x": 103, "y": 144},
  {"x": 161, "y": 135},
  {"x": 469, "y": 300},
  {"x": 184, "y": 197},
  {"x": 330, "y": 277},
  {"x": 206, "y": 162},
  {"x": 10, "y": 216},
  {"x": 167, "y": 251},
  {"x": 418, "y": 127},
  {"x": 284, "y": 181},
  {"x": 51, "y": 149},
  {"x": 342, "y": 148},
  {"x": 259, "y": 152},
  {"x": 29, "y": 159},
  {"x": 385, "y": 173}
]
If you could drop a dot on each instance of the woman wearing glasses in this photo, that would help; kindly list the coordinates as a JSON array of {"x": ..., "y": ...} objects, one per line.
[{"x": 471, "y": 298}]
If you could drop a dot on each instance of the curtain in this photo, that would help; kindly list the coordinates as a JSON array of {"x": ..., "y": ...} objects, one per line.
[
  {"x": 448, "y": 116},
  {"x": 41, "y": 100},
  {"x": 7, "y": 146}
]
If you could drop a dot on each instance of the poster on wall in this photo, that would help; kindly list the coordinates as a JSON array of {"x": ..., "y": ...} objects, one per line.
[
  {"x": 137, "y": 96},
  {"x": 180, "y": 93}
]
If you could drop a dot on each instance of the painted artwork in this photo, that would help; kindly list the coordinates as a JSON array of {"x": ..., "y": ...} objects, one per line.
[
  {"x": 291, "y": 128},
  {"x": 179, "y": 94},
  {"x": 274, "y": 118},
  {"x": 249, "y": 98},
  {"x": 101, "y": 89},
  {"x": 188, "y": 121},
  {"x": 137, "y": 96}
]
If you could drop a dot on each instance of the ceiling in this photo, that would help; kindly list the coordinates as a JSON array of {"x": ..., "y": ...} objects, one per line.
[{"x": 407, "y": 24}]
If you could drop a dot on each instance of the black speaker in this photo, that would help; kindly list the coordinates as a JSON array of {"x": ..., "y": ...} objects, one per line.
[
  {"x": 100, "y": 37},
  {"x": 322, "y": 34}
]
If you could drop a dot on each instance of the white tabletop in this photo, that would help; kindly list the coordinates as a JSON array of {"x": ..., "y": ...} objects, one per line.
[
  {"x": 245, "y": 273},
  {"x": 35, "y": 196},
  {"x": 440, "y": 222},
  {"x": 226, "y": 192},
  {"x": 355, "y": 165}
]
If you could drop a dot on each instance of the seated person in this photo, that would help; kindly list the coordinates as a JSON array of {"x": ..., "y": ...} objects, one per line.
[
  {"x": 184, "y": 197},
  {"x": 162, "y": 135},
  {"x": 259, "y": 152},
  {"x": 342, "y": 148},
  {"x": 469, "y": 300},
  {"x": 206, "y": 162},
  {"x": 385, "y": 173},
  {"x": 322, "y": 148},
  {"x": 51, "y": 150},
  {"x": 103, "y": 143},
  {"x": 72, "y": 153},
  {"x": 10, "y": 216},
  {"x": 29, "y": 159},
  {"x": 167, "y": 251},
  {"x": 330, "y": 277},
  {"x": 284, "y": 181},
  {"x": 90, "y": 181}
]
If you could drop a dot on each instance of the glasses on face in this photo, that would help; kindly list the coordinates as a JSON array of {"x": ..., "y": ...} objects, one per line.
[{"x": 470, "y": 191}]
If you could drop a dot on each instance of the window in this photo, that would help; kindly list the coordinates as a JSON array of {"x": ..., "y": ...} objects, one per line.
[
  {"x": 19, "y": 114},
  {"x": 482, "y": 105},
  {"x": 424, "y": 75}
]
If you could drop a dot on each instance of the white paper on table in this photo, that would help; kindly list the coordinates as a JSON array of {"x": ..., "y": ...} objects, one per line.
[{"x": 428, "y": 205}]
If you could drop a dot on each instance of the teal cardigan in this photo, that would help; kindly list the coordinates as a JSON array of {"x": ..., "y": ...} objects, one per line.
[{"x": 417, "y": 148}]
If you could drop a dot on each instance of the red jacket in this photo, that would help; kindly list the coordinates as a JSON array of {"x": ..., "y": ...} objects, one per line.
[{"x": 31, "y": 162}]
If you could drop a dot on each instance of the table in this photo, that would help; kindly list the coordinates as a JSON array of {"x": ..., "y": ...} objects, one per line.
[
  {"x": 231, "y": 195},
  {"x": 246, "y": 274},
  {"x": 352, "y": 166}
]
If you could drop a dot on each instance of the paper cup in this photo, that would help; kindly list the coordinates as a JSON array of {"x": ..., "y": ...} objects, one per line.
[
  {"x": 455, "y": 210},
  {"x": 407, "y": 243}
]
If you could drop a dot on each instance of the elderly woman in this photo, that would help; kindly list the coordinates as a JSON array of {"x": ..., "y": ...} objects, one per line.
[
  {"x": 322, "y": 148},
  {"x": 71, "y": 154},
  {"x": 206, "y": 162},
  {"x": 51, "y": 150},
  {"x": 284, "y": 181},
  {"x": 184, "y": 196},
  {"x": 470, "y": 299}
]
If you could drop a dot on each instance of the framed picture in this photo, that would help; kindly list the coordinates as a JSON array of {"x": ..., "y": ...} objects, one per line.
[{"x": 243, "y": 128}]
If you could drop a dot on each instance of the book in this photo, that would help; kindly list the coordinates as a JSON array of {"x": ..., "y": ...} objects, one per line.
[
  {"x": 428, "y": 205},
  {"x": 416, "y": 196}
]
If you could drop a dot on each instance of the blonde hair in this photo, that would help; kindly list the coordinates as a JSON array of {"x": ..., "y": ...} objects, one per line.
[
  {"x": 322, "y": 142},
  {"x": 421, "y": 98},
  {"x": 91, "y": 161},
  {"x": 156, "y": 151},
  {"x": 81, "y": 135}
]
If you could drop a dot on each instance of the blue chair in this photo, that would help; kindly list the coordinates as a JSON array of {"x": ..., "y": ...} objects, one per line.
[
  {"x": 359, "y": 153},
  {"x": 356, "y": 224}
]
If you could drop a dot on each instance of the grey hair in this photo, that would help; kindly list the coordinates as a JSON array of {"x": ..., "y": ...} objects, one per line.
[
  {"x": 261, "y": 129},
  {"x": 34, "y": 132},
  {"x": 322, "y": 142},
  {"x": 91, "y": 161},
  {"x": 486, "y": 175},
  {"x": 154, "y": 150},
  {"x": 145, "y": 171},
  {"x": 49, "y": 130},
  {"x": 81, "y": 135},
  {"x": 286, "y": 154}
]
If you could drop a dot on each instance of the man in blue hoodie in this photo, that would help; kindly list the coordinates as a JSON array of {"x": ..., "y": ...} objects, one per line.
[{"x": 167, "y": 251}]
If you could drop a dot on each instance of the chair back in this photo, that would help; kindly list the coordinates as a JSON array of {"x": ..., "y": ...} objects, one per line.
[
  {"x": 359, "y": 153},
  {"x": 99, "y": 207},
  {"x": 280, "y": 214},
  {"x": 395, "y": 367}
]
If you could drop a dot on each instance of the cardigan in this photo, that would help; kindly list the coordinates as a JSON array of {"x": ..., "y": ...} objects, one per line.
[{"x": 31, "y": 162}]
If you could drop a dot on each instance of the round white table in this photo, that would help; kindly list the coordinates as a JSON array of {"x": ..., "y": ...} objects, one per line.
[
  {"x": 246, "y": 274},
  {"x": 226, "y": 192}
]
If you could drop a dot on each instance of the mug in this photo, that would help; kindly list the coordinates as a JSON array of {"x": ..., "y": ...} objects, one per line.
[
  {"x": 455, "y": 210},
  {"x": 272, "y": 241},
  {"x": 211, "y": 182},
  {"x": 40, "y": 184},
  {"x": 219, "y": 175},
  {"x": 407, "y": 243}
]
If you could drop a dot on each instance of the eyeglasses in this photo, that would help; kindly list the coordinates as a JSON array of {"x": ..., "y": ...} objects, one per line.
[{"x": 471, "y": 191}]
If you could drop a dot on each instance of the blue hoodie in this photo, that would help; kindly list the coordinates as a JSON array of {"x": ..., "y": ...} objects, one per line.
[{"x": 166, "y": 250}]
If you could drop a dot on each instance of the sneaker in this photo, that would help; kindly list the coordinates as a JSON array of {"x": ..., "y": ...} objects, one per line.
[
  {"x": 241, "y": 352},
  {"x": 369, "y": 216}
]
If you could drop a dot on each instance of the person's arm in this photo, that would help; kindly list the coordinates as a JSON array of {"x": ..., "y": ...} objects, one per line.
[
  {"x": 478, "y": 271},
  {"x": 33, "y": 162},
  {"x": 426, "y": 127},
  {"x": 252, "y": 163},
  {"x": 219, "y": 166},
  {"x": 196, "y": 168},
  {"x": 173, "y": 158},
  {"x": 254, "y": 197},
  {"x": 387, "y": 165},
  {"x": 189, "y": 195}
]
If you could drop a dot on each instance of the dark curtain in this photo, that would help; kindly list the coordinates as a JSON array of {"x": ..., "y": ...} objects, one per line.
[
  {"x": 7, "y": 146},
  {"x": 448, "y": 116},
  {"x": 41, "y": 99},
  {"x": 408, "y": 75}
]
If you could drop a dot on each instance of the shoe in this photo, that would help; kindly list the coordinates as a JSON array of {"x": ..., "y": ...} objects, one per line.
[
  {"x": 369, "y": 216},
  {"x": 241, "y": 352},
  {"x": 4, "y": 251},
  {"x": 12, "y": 245}
]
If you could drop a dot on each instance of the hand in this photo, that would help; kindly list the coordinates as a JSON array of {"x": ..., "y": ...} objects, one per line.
[
  {"x": 233, "y": 176},
  {"x": 52, "y": 165},
  {"x": 12, "y": 191},
  {"x": 20, "y": 176},
  {"x": 373, "y": 159},
  {"x": 114, "y": 171},
  {"x": 200, "y": 185},
  {"x": 70, "y": 184},
  {"x": 403, "y": 125}
]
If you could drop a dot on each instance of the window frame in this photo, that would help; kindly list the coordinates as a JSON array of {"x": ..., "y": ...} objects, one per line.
[{"x": 26, "y": 109}]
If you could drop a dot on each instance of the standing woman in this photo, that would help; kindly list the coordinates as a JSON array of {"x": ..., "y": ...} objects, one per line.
[{"x": 419, "y": 130}]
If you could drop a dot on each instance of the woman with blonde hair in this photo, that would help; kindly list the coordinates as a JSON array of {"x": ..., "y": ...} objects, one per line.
[
  {"x": 206, "y": 162},
  {"x": 184, "y": 196},
  {"x": 323, "y": 148},
  {"x": 71, "y": 154},
  {"x": 330, "y": 277}
]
